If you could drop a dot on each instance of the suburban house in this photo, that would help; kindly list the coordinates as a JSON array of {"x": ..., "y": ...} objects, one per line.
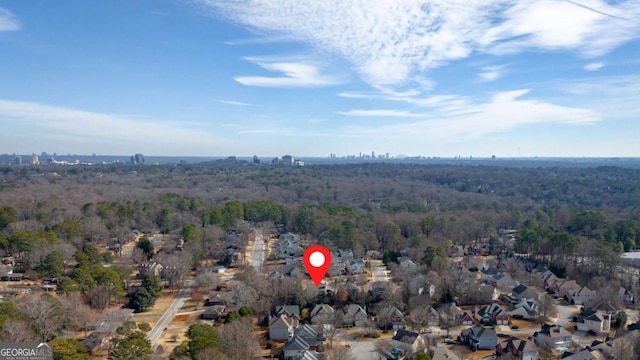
[
  {"x": 354, "y": 315},
  {"x": 356, "y": 266},
  {"x": 584, "y": 296},
  {"x": 390, "y": 318},
  {"x": 433, "y": 318},
  {"x": 480, "y": 337},
  {"x": 522, "y": 291},
  {"x": 525, "y": 309},
  {"x": 96, "y": 341},
  {"x": 563, "y": 287},
  {"x": 322, "y": 314},
  {"x": 11, "y": 276},
  {"x": 149, "y": 267},
  {"x": 283, "y": 321},
  {"x": 102, "y": 333},
  {"x": 282, "y": 327},
  {"x": 493, "y": 314},
  {"x": 216, "y": 299},
  {"x": 288, "y": 246},
  {"x": 407, "y": 342},
  {"x": 290, "y": 310},
  {"x": 596, "y": 321},
  {"x": 503, "y": 281},
  {"x": 408, "y": 264},
  {"x": 451, "y": 313},
  {"x": 214, "y": 312},
  {"x": 305, "y": 338},
  {"x": 625, "y": 295},
  {"x": 554, "y": 336},
  {"x": 519, "y": 348},
  {"x": 467, "y": 319},
  {"x": 456, "y": 251}
]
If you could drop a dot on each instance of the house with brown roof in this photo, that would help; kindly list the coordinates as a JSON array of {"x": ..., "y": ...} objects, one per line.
[
  {"x": 452, "y": 313},
  {"x": 493, "y": 314},
  {"x": 584, "y": 296},
  {"x": 562, "y": 287},
  {"x": 467, "y": 319},
  {"x": 390, "y": 318},
  {"x": 518, "y": 348},
  {"x": 214, "y": 312}
]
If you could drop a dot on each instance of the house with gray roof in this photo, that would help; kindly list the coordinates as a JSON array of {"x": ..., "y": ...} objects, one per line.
[
  {"x": 405, "y": 341},
  {"x": 354, "y": 315},
  {"x": 594, "y": 320},
  {"x": 525, "y": 309},
  {"x": 305, "y": 338},
  {"x": 480, "y": 337},
  {"x": 322, "y": 314},
  {"x": 554, "y": 336}
]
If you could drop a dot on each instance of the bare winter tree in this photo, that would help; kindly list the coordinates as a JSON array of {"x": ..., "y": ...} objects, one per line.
[
  {"x": 207, "y": 280},
  {"x": 176, "y": 267},
  {"x": 238, "y": 341},
  {"x": 99, "y": 297},
  {"x": 419, "y": 318},
  {"x": 18, "y": 331},
  {"x": 209, "y": 353},
  {"x": 46, "y": 315},
  {"x": 77, "y": 314},
  {"x": 546, "y": 308}
]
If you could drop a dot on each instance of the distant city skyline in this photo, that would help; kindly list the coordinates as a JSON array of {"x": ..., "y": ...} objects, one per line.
[{"x": 220, "y": 78}]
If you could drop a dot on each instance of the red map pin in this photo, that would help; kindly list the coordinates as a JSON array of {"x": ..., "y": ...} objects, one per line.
[{"x": 317, "y": 260}]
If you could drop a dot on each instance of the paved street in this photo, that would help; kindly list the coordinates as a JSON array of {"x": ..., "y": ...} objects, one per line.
[
  {"x": 379, "y": 272},
  {"x": 258, "y": 251},
  {"x": 168, "y": 315}
]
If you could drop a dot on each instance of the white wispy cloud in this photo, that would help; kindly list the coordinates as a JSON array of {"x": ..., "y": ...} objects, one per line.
[
  {"x": 617, "y": 96},
  {"x": 105, "y": 130},
  {"x": 588, "y": 27},
  {"x": 235, "y": 103},
  {"x": 491, "y": 73},
  {"x": 296, "y": 74},
  {"x": 379, "y": 113},
  {"x": 390, "y": 42},
  {"x": 593, "y": 66},
  {"x": 505, "y": 111},
  {"x": 8, "y": 21}
]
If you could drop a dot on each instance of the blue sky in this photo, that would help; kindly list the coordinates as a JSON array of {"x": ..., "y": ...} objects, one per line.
[{"x": 309, "y": 78}]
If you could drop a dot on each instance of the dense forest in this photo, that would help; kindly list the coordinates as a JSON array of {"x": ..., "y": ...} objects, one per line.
[
  {"x": 561, "y": 213},
  {"x": 56, "y": 222}
]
